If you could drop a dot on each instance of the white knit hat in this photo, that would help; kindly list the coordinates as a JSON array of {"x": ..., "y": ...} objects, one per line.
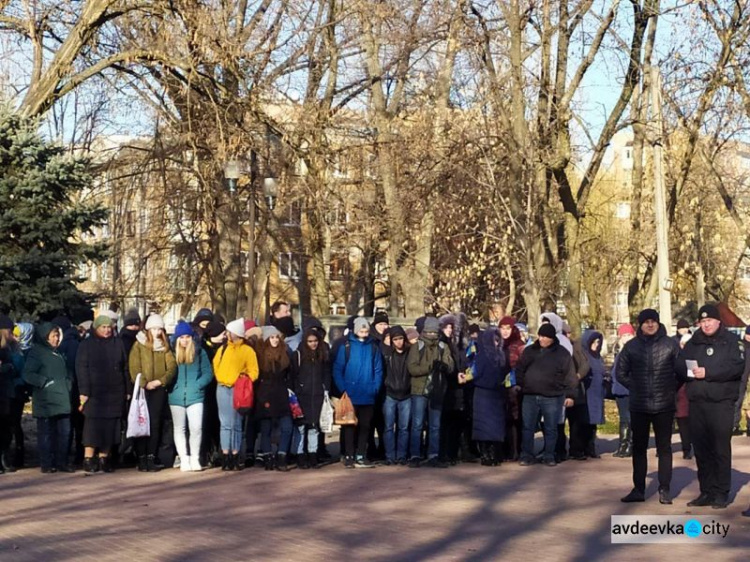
[
  {"x": 154, "y": 321},
  {"x": 237, "y": 327}
]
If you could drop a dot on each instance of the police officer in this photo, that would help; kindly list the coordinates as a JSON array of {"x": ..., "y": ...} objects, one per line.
[{"x": 712, "y": 388}]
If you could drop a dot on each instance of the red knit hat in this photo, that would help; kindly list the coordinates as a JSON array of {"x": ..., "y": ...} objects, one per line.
[
  {"x": 507, "y": 321},
  {"x": 625, "y": 329},
  {"x": 249, "y": 324}
]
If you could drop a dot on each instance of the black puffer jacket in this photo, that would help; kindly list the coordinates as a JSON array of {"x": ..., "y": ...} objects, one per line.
[
  {"x": 547, "y": 371},
  {"x": 646, "y": 367},
  {"x": 722, "y": 355}
]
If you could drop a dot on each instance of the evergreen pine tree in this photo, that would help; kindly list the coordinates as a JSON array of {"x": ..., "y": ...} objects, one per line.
[{"x": 42, "y": 220}]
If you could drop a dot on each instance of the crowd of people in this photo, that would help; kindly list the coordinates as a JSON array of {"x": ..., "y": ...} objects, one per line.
[{"x": 430, "y": 395}]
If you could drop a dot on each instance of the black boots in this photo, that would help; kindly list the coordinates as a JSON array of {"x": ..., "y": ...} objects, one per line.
[
  {"x": 105, "y": 465},
  {"x": 634, "y": 496},
  {"x": 5, "y": 464},
  {"x": 151, "y": 465},
  {"x": 702, "y": 500},
  {"x": 226, "y": 460},
  {"x": 312, "y": 460},
  {"x": 142, "y": 466},
  {"x": 303, "y": 461},
  {"x": 90, "y": 465},
  {"x": 281, "y": 464},
  {"x": 268, "y": 463},
  {"x": 664, "y": 497},
  {"x": 624, "y": 441}
]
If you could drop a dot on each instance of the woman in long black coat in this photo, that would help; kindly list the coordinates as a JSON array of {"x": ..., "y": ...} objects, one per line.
[
  {"x": 311, "y": 378},
  {"x": 489, "y": 397},
  {"x": 104, "y": 384}
]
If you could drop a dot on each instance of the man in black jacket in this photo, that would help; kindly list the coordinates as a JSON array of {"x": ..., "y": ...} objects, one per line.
[
  {"x": 397, "y": 405},
  {"x": 646, "y": 367},
  {"x": 547, "y": 378},
  {"x": 713, "y": 385}
]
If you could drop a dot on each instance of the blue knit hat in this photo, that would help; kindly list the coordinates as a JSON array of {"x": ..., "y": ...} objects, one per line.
[{"x": 183, "y": 329}]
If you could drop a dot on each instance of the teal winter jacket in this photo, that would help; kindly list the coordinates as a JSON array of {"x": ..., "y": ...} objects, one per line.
[{"x": 191, "y": 381}]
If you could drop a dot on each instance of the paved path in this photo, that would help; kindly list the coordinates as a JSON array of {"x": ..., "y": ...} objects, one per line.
[{"x": 463, "y": 513}]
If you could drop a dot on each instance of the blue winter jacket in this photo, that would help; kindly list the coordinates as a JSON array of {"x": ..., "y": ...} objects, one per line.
[
  {"x": 362, "y": 376},
  {"x": 191, "y": 381}
]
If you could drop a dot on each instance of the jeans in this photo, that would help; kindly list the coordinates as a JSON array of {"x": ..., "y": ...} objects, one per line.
[
  {"x": 285, "y": 433},
  {"x": 193, "y": 415},
  {"x": 53, "y": 434},
  {"x": 419, "y": 408},
  {"x": 550, "y": 408},
  {"x": 312, "y": 439},
  {"x": 396, "y": 414},
  {"x": 640, "y": 423},
  {"x": 230, "y": 420}
]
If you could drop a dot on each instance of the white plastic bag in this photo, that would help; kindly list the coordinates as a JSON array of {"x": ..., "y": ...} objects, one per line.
[
  {"x": 326, "y": 414},
  {"x": 139, "y": 424}
]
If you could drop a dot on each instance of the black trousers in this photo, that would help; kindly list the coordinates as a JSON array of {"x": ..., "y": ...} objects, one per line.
[
  {"x": 578, "y": 418},
  {"x": 361, "y": 431},
  {"x": 376, "y": 451},
  {"x": 711, "y": 432},
  {"x": 683, "y": 424},
  {"x": 640, "y": 424},
  {"x": 452, "y": 427},
  {"x": 157, "y": 402}
]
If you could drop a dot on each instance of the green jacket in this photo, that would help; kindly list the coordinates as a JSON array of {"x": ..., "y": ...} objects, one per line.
[
  {"x": 47, "y": 374},
  {"x": 153, "y": 365},
  {"x": 422, "y": 356}
]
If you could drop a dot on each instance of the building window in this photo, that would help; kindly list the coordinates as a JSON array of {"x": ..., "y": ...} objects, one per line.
[
  {"x": 293, "y": 214},
  {"x": 246, "y": 263},
  {"x": 744, "y": 270},
  {"x": 339, "y": 267},
  {"x": 621, "y": 297},
  {"x": 289, "y": 265}
]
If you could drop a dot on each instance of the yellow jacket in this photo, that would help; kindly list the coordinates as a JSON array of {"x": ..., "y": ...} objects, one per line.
[{"x": 231, "y": 360}]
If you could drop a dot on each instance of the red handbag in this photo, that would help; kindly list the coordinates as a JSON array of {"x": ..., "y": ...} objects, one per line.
[{"x": 242, "y": 394}]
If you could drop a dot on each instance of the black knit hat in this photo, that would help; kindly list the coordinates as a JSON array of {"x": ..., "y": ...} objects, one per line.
[
  {"x": 380, "y": 317},
  {"x": 5, "y": 322},
  {"x": 682, "y": 323},
  {"x": 648, "y": 314},
  {"x": 547, "y": 330},
  {"x": 709, "y": 311},
  {"x": 214, "y": 329},
  {"x": 131, "y": 318}
]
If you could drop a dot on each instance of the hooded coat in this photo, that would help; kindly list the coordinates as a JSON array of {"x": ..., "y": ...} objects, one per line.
[
  {"x": 153, "y": 365},
  {"x": 47, "y": 374},
  {"x": 311, "y": 377},
  {"x": 490, "y": 369},
  {"x": 594, "y": 381}
]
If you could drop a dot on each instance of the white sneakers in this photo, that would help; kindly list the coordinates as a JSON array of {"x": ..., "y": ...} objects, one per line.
[{"x": 190, "y": 463}]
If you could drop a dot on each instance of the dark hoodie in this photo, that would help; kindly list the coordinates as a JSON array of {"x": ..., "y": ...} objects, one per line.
[
  {"x": 397, "y": 377},
  {"x": 45, "y": 371},
  {"x": 547, "y": 371}
]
